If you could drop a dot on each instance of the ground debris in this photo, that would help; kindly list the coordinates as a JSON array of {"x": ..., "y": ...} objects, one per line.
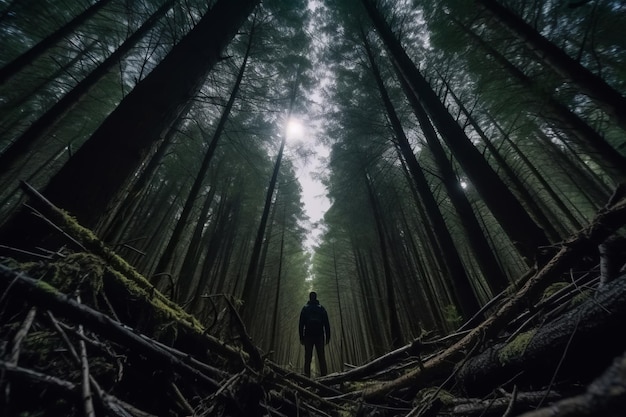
[{"x": 81, "y": 333}]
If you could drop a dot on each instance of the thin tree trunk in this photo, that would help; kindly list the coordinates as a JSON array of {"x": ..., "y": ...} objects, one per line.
[
  {"x": 454, "y": 265},
  {"x": 344, "y": 340},
  {"x": 164, "y": 264},
  {"x": 19, "y": 101},
  {"x": 529, "y": 200},
  {"x": 516, "y": 222},
  {"x": 481, "y": 249},
  {"x": 605, "y": 96},
  {"x": 37, "y": 132},
  {"x": 544, "y": 183},
  {"x": 27, "y": 58},
  {"x": 596, "y": 146},
  {"x": 274, "y": 321},
  {"x": 89, "y": 182},
  {"x": 189, "y": 265},
  {"x": 219, "y": 229},
  {"x": 253, "y": 276},
  {"x": 397, "y": 338}
]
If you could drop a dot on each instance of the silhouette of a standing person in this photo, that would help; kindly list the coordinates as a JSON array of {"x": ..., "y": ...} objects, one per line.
[{"x": 313, "y": 326}]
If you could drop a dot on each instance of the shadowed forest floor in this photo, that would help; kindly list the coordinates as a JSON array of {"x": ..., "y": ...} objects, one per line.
[{"x": 84, "y": 334}]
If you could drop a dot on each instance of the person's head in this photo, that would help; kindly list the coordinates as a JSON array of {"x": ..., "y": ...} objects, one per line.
[{"x": 312, "y": 296}]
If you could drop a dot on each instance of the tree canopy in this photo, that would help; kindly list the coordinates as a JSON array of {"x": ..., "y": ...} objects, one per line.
[{"x": 473, "y": 154}]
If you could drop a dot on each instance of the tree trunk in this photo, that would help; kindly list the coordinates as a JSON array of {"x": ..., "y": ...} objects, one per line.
[
  {"x": 90, "y": 180},
  {"x": 523, "y": 231},
  {"x": 595, "y": 145},
  {"x": 397, "y": 338},
  {"x": 218, "y": 232},
  {"x": 344, "y": 339},
  {"x": 561, "y": 346},
  {"x": 275, "y": 318},
  {"x": 606, "y": 97},
  {"x": 481, "y": 249},
  {"x": 27, "y": 58},
  {"x": 192, "y": 255},
  {"x": 540, "y": 177},
  {"x": 462, "y": 287},
  {"x": 252, "y": 276},
  {"x": 181, "y": 224},
  {"x": 522, "y": 191},
  {"x": 14, "y": 156}
]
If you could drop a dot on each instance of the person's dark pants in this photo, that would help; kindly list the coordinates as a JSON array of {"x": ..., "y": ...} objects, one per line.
[{"x": 318, "y": 342}]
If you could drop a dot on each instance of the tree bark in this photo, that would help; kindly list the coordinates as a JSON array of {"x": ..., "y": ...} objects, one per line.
[{"x": 597, "y": 321}]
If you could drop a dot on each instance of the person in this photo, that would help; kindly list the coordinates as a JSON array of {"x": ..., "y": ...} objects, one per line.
[{"x": 313, "y": 327}]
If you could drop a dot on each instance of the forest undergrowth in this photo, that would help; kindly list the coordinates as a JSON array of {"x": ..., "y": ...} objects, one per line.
[{"x": 82, "y": 333}]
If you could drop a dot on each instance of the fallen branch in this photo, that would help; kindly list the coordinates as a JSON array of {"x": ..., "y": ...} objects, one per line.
[
  {"x": 45, "y": 295},
  {"x": 605, "y": 223}
]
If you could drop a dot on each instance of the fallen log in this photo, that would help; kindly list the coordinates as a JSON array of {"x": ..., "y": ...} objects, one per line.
[
  {"x": 42, "y": 294},
  {"x": 605, "y": 223},
  {"x": 606, "y": 397},
  {"x": 579, "y": 345}
]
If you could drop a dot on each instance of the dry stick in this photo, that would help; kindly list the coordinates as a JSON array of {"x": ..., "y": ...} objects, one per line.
[
  {"x": 302, "y": 380},
  {"x": 38, "y": 377},
  {"x": 113, "y": 404},
  {"x": 84, "y": 367},
  {"x": 88, "y": 240},
  {"x": 311, "y": 396},
  {"x": 556, "y": 297},
  {"x": 412, "y": 348},
  {"x": 46, "y": 295},
  {"x": 246, "y": 341},
  {"x": 607, "y": 220},
  {"x": 472, "y": 407},
  {"x": 86, "y": 390},
  {"x": 420, "y": 409},
  {"x": 592, "y": 298},
  {"x": 509, "y": 410},
  {"x": 182, "y": 399},
  {"x": 21, "y": 335},
  {"x": 560, "y": 297},
  {"x": 26, "y": 252},
  {"x": 190, "y": 360},
  {"x": 17, "y": 343},
  {"x": 558, "y": 367},
  {"x": 54, "y": 226},
  {"x": 375, "y": 365}
]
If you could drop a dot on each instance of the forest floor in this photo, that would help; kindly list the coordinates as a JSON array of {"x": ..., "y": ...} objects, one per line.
[{"x": 82, "y": 333}]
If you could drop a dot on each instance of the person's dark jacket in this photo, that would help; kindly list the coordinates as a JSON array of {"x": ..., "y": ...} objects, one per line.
[{"x": 314, "y": 321}]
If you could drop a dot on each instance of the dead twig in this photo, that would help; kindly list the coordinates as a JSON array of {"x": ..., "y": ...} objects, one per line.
[{"x": 21, "y": 335}]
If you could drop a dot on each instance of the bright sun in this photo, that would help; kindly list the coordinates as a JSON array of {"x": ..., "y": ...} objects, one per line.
[{"x": 295, "y": 129}]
